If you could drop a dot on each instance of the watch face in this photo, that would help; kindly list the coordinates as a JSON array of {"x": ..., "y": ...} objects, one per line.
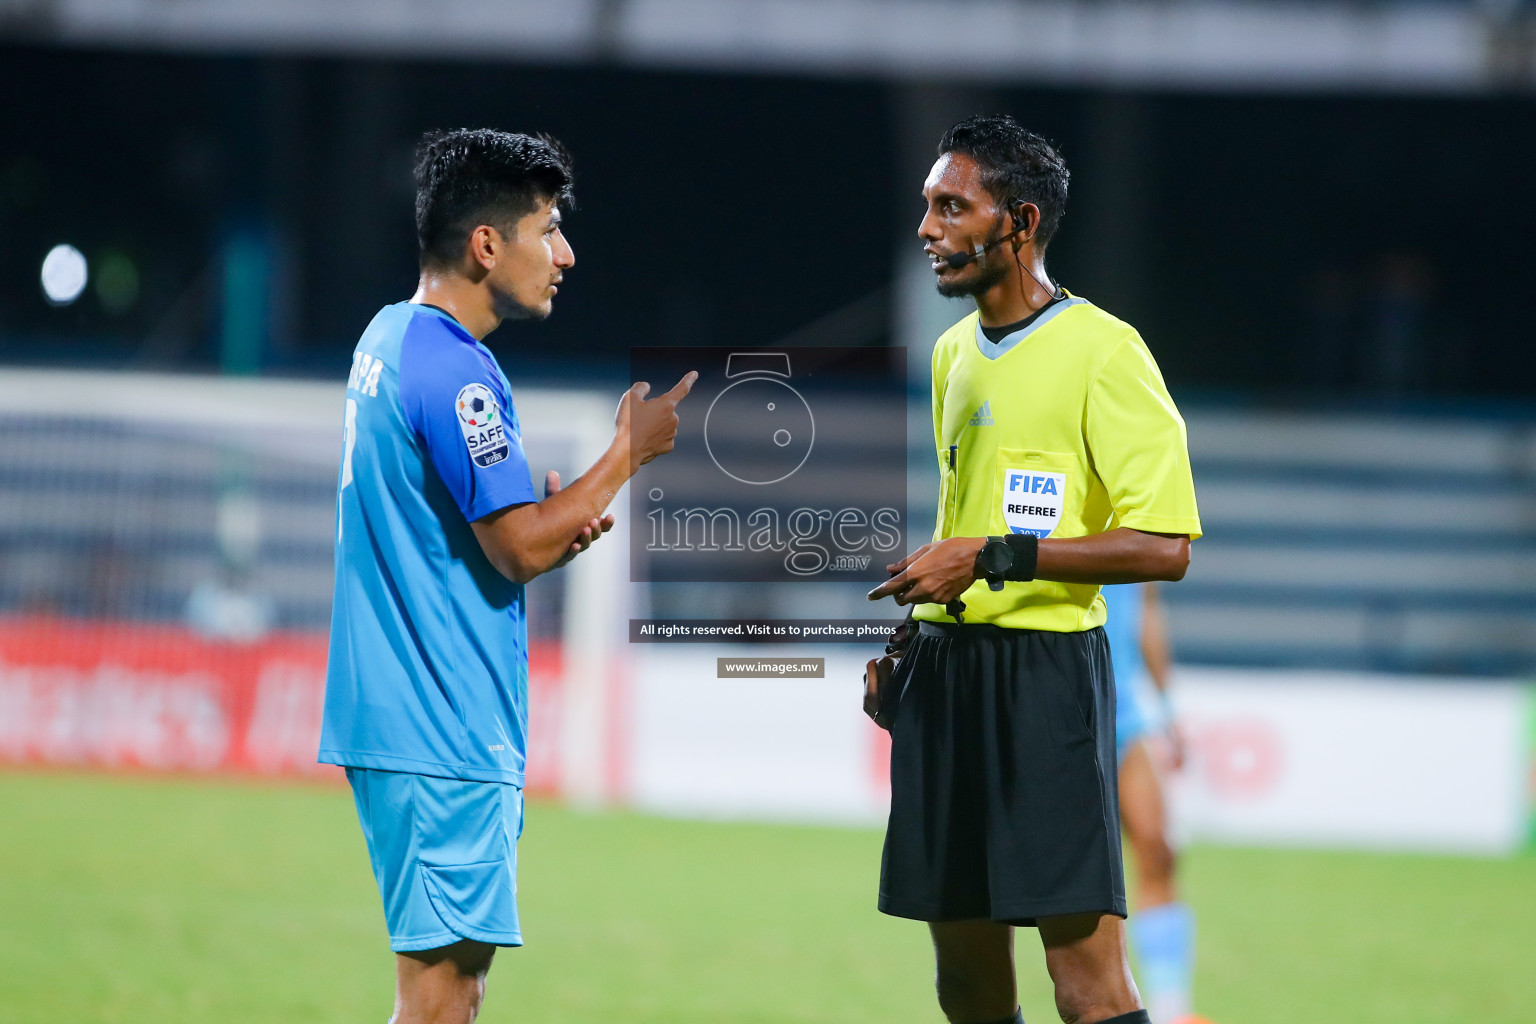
[
  {"x": 759, "y": 430},
  {"x": 996, "y": 557}
]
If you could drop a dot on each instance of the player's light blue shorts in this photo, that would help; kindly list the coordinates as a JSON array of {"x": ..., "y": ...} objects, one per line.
[
  {"x": 1136, "y": 711},
  {"x": 444, "y": 852}
]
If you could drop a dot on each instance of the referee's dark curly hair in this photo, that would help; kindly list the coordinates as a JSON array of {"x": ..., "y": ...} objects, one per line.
[
  {"x": 1015, "y": 163},
  {"x": 472, "y": 176}
]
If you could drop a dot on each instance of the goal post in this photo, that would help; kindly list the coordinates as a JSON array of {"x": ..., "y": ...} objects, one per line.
[{"x": 166, "y": 553}]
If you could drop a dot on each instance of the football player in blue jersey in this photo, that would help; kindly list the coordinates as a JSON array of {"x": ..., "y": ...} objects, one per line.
[
  {"x": 1162, "y": 929},
  {"x": 437, "y": 530}
]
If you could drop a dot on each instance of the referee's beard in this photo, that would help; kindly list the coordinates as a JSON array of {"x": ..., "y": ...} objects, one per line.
[
  {"x": 990, "y": 271},
  {"x": 991, "y": 268}
]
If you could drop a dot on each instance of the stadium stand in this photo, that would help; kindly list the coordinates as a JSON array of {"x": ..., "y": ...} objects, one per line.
[{"x": 1364, "y": 541}]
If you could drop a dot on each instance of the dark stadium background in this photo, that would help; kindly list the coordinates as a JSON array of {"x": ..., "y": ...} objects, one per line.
[{"x": 1269, "y": 246}]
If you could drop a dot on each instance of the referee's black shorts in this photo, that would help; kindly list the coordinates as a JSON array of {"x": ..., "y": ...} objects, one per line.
[{"x": 1004, "y": 801}]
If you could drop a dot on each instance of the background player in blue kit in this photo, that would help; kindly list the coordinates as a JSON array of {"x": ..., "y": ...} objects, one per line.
[
  {"x": 1162, "y": 928},
  {"x": 437, "y": 529}
]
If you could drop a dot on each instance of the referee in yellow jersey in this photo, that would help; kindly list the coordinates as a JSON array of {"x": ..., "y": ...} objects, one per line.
[{"x": 1064, "y": 466}]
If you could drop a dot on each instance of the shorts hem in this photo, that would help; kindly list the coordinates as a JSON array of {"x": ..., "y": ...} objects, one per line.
[
  {"x": 430, "y": 769},
  {"x": 1122, "y": 747},
  {"x": 418, "y": 944},
  {"x": 1024, "y": 914}
]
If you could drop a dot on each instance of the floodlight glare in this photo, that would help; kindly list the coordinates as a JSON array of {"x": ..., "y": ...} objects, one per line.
[{"x": 64, "y": 274}]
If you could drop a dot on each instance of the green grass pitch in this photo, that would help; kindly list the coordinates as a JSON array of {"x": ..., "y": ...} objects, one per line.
[{"x": 129, "y": 900}]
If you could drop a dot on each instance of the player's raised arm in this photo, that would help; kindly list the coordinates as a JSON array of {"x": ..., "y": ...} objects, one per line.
[{"x": 526, "y": 540}]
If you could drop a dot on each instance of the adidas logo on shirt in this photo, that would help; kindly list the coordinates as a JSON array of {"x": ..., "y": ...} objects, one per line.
[{"x": 983, "y": 417}]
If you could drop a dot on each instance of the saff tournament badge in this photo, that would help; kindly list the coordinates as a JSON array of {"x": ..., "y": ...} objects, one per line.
[
  {"x": 481, "y": 421},
  {"x": 1032, "y": 500}
]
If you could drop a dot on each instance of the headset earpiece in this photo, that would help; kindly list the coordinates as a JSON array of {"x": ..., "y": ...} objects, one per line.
[
  {"x": 1025, "y": 231},
  {"x": 1020, "y": 220}
]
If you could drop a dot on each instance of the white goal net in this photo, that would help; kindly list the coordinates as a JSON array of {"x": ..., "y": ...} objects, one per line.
[{"x": 166, "y": 567}]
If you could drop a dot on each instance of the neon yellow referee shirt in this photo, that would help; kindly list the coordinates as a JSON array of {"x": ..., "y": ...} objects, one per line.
[{"x": 1063, "y": 428}]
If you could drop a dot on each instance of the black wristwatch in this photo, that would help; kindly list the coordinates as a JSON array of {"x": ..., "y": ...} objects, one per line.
[{"x": 993, "y": 561}]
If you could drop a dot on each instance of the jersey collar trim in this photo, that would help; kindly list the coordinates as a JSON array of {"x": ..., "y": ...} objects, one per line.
[
  {"x": 993, "y": 350},
  {"x": 442, "y": 314}
]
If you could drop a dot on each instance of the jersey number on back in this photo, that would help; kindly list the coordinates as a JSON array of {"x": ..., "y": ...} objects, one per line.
[{"x": 348, "y": 442}]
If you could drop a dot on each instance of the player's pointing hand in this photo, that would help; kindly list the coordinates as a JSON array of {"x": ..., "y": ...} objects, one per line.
[
  {"x": 681, "y": 388},
  {"x": 651, "y": 424}
]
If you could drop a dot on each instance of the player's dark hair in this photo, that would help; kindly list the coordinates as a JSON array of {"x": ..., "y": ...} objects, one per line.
[
  {"x": 1016, "y": 164},
  {"x": 473, "y": 176}
]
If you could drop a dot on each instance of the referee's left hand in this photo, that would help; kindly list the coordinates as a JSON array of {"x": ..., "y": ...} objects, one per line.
[{"x": 935, "y": 573}]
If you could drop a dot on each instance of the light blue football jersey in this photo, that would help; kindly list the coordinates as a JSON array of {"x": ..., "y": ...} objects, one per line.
[
  {"x": 1122, "y": 628},
  {"x": 428, "y": 667}
]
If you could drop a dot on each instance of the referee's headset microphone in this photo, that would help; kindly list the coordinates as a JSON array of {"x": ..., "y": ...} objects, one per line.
[{"x": 966, "y": 257}]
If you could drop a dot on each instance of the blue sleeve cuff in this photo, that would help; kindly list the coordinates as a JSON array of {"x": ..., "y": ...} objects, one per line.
[{"x": 486, "y": 503}]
